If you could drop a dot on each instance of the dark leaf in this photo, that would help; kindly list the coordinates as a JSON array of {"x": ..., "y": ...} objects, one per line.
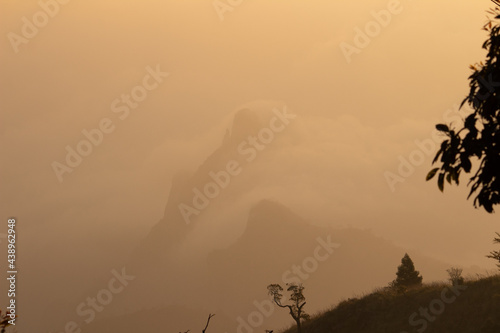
[
  {"x": 448, "y": 178},
  {"x": 470, "y": 122},
  {"x": 466, "y": 164},
  {"x": 442, "y": 128},
  {"x": 431, "y": 174},
  {"x": 441, "y": 182},
  {"x": 437, "y": 156}
]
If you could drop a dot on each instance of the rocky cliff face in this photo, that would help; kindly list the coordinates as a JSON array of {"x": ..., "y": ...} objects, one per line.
[{"x": 224, "y": 177}]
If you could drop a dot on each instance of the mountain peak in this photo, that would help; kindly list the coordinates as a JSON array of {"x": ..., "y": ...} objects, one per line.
[
  {"x": 273, "y": 219},
  {"x": 250, "y": 118}
]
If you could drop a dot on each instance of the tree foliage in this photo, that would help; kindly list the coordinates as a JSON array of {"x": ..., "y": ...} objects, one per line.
[
  {"x": 406, "y": 276},
  {"x": 496, "y": 254},
  {"x": 478, "y": 138},
  {"x": 455, "y": 276},
  {"x": 297, "y": 301}
]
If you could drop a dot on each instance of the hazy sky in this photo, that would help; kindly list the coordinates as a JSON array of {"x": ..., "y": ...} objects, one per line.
[{"x": 356, "y": 115}]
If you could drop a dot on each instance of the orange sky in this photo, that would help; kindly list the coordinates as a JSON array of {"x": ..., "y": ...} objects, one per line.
[{"x": 355, "y": 117}]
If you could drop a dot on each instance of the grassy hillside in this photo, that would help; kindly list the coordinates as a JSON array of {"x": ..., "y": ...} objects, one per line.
[{"x": 433, "y": 308}]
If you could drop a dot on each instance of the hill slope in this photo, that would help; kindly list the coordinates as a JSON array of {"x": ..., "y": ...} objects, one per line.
[
  {"x": 434, "y": 308},
  {"x": 277, "y": 246}
]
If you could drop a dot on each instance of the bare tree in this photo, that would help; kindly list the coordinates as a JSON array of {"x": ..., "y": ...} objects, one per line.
[
  {"x": 297, "y": 301},
  {"x": 455, "y": 276}
]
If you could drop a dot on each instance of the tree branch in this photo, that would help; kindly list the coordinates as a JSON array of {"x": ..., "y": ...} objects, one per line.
[
  {"x": 208, "y": 321},
  {"x": 278, "y": 303}
]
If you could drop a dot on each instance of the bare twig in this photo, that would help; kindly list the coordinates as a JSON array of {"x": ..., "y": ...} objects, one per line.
[{"x": 208, "y": 321}]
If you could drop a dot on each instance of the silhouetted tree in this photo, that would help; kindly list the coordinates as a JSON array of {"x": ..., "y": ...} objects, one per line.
[
  {"x": 297, "y": 299},
  {"x": 455, "y": 276},
  {"x": 478, "y": 139},
  {"x": 496, "y": 254},
  {"x": 406, "y": 276}
]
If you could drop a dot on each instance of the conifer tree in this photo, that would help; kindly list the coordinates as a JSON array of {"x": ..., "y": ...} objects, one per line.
[{"x": 407, "y": 276}]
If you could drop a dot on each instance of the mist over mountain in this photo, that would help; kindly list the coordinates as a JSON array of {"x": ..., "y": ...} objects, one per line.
[
  {"x": 333, "y": 264},
  {"x": 180, "y": 264},
  {"x": 249, "y": 214},
  {"x": 170, "y": 159}
]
